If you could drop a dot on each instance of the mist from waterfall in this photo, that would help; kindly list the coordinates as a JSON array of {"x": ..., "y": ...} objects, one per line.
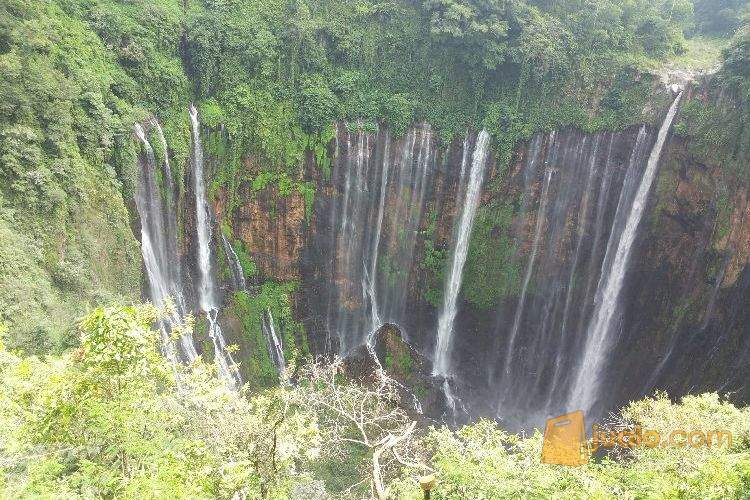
[
  {"x": 208, "y": 300},
  {"x": 470, "y": 202},
  {"x": 159, "y": 247}
]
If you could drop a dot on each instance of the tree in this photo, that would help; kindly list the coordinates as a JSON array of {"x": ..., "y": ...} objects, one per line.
[
  {"x": 718, "y": 17},
  {"x": 366, "y": 418},
  {"x": 476, "y": 29},
  {"x": 115, "y": 419}
]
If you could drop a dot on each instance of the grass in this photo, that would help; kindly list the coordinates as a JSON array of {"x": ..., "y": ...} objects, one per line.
[{"x": 702, "y": 55}]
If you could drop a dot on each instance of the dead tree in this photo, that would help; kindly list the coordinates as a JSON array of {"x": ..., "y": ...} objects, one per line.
[{"x": 365, "y": 416}]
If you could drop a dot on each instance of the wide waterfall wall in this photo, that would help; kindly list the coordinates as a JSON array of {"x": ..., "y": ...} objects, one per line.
[
  {"x": 518, "y": 361},
  {"x": 581, "y": 186},
  {"x": 381, "y": 247},
  {"x": 553, "y": 341}
]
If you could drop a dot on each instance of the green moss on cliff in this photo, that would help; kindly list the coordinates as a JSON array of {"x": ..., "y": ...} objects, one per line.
[
  {"x": 250, "y": 310},
  {"x": 256, "y": 363},
  {"x": 433, "y": 263},
  {"x": 492, "y": 270}
]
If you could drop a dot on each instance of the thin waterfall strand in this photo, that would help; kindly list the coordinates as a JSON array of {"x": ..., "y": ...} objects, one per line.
[
  {"x": 207, "y": 288},
  {"x": 162, "y": 267},
  {"x": 453, "y": 284}
]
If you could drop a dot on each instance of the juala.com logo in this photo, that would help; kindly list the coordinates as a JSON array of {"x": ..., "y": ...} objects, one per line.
[{"x": 565, "y": 440}]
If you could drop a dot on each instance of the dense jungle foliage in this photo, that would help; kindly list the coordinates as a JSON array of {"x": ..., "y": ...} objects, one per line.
[{"x": 113, "y": 419}]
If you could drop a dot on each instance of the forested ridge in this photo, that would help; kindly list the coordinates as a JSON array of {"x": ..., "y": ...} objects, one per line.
[{"x": 90, "y": 406}]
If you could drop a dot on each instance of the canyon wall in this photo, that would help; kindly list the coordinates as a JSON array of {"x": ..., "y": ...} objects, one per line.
[{"x": 376, "y": 246}]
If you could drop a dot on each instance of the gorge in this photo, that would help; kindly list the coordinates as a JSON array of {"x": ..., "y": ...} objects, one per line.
[
  {"x": 360, "y": 249},
  {"x": 572, "y": 209}
]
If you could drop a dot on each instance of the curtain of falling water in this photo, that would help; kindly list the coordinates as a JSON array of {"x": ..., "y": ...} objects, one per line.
[
  {"x": 373, "y": 246},
  {"x": 470, "y": 203},
  {"x": 598, "y": 340},
  {"x": 207, "y": 287},
  {"x": 159, "y": 246},
  {"x": 567, "y": 185}
]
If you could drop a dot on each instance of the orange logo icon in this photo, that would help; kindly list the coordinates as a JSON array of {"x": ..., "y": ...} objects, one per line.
[{"x": 565, "y": 440}]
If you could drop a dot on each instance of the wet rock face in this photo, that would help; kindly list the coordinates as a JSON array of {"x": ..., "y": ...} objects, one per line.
[
  {"x": 421, "y": 392},
  {"x": 390, "y": 202},
  {"x": 272, "y": 226},
  {"x": 687, "y": 309}
]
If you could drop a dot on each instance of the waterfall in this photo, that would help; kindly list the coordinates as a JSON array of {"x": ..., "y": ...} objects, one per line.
[
  {"x": 583, "y": 215},
  {"x": 540, "y": 218},
  {"x": 371, "y": 286},
  {"x": 235, "y": 268},
  {"x": 159, "y": 249},
  {"x": 601, "y": 207},
  {"x": 376, "y": 210},
  {"x": 275, "y": 347},
  {"x": 453, "y": 283},
  {"x": 598, "y": 341},
  {"x": 170, "y": 210},
  {"x": 582, "y": 224},
  {"x": 707, "y": 316},
  {"x": 207, "y": 288},
  {"x": 206, "y": 291},
  {"x": 574, "y": 183}
]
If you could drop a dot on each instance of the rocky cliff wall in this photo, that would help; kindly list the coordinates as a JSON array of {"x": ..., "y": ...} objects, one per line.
[{"x": 374, "y": 249}]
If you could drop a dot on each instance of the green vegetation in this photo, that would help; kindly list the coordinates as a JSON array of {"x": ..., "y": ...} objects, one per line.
[
  {"x": 249, "y": 268},
  {"x": 702, "y": 54},
  {"x": 108, "y": 420},
  {"x": 482, "y": 461},
  {"x": 65, "y": 157},
  {"x": 269, "y": 78},
  {"x": 258, "y": 367},
  {"x": 492, "y": 269},
  {"x": 277, "y": 73},
  {"x": 433, "y": 263},
  {"x": 719, "y": 127},
  {"x": 719, "y": 17},
  {"x": 95, "y": 411}
]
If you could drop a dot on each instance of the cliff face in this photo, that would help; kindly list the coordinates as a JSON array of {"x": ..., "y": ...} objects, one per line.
[
  {"x": 376, "y": 246},
  {"x": 273, "y": 226},
  {"x": 688, "y": 303}
]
